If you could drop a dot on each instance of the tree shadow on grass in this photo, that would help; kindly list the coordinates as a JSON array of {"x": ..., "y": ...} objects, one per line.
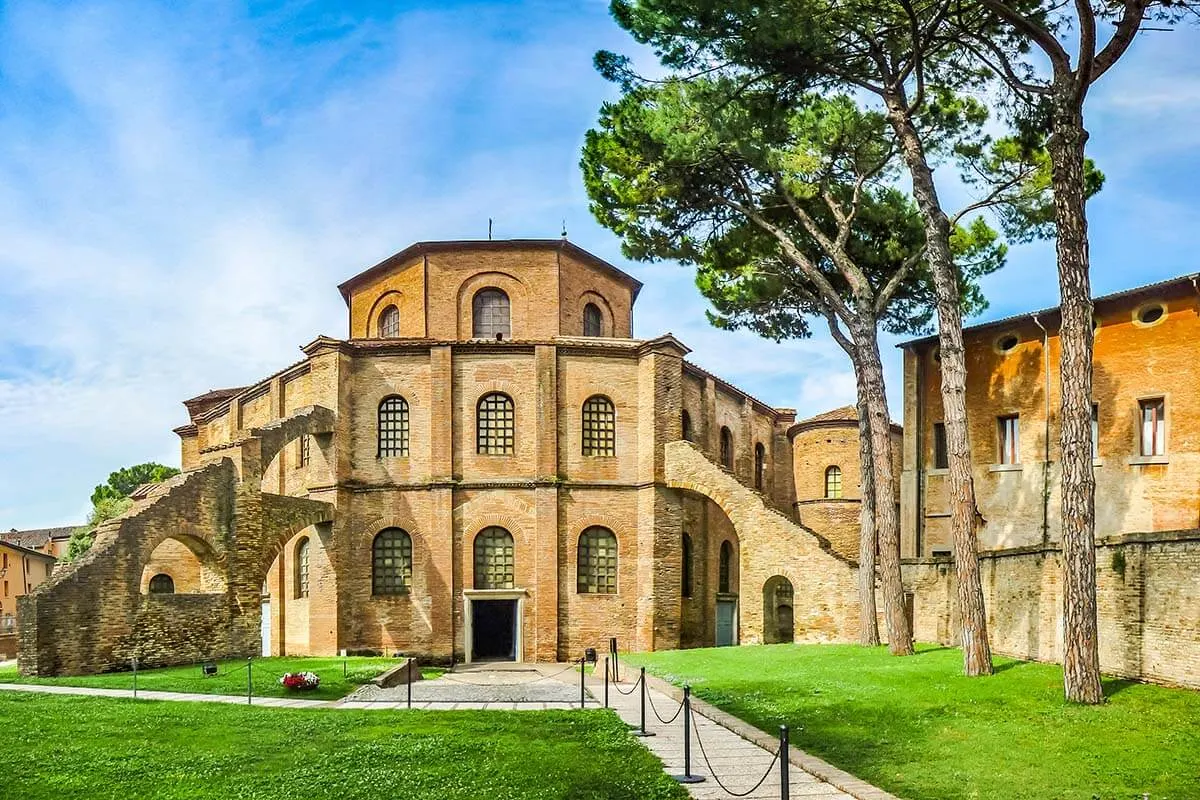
[{"x": 1114, "y": 686}]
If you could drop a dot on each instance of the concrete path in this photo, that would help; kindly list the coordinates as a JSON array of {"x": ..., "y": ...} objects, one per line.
[
  {"x": 500, "y": 687},
  {"x": 740, "y": 755},
  {"x": 271, "y": 702}
]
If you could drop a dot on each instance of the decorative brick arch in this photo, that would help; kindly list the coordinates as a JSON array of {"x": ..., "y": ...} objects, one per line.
[
  {"x": 273, "y": 437},
  {"x": 511, "y": 285},
  {"x": 608, "y": 321},
  {"x": 392, "y": 297}
]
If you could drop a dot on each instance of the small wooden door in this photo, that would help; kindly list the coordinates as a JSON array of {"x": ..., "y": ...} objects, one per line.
[{"x": 726, "y": 623}]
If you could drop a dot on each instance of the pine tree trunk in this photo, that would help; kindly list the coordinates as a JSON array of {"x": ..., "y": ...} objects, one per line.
[
  {"x": 1081, "y": 659},
  {"x": 868, "y": 614},
  {"x": 887, "y": 520},
  {"x": 977, "y": 654}
]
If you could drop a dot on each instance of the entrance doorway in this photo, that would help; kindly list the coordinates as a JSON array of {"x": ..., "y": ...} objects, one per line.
[
  {"x": 266, "y": 628},
  {"x": 726, "y": 623},
  {"x": 494, "y": 630}
]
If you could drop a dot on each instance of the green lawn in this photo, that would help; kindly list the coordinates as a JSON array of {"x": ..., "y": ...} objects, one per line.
[
  {"x": 231, "y": 677},
  {"x": 917, "y": 728},
  {"x": 110, "y": 749}
]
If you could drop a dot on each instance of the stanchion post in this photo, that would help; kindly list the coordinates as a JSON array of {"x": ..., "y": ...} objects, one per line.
[
  {"x": 134, "y": 677},
  {"x": 410, "y": 681},
  {"x": 687, "y": 776},
  {"x": 249, "y": 680},
  {"x": 606, "y": 681},
  {"x": 582, "y": 691},
  {"x": 642, "y": 730},
  {"x": 785, "y": 789}
]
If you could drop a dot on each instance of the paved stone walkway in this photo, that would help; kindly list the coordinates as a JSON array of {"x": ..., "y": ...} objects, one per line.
[
  {"x": 500, "y": 687},
  {"x": 732, "y": 747},
  {"x": 272, "y": 702}
]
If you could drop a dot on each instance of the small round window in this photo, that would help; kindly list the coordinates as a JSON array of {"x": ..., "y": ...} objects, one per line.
[
  {"x": 1008, "y": 342},
  {"x": 1150, "y": 313}
]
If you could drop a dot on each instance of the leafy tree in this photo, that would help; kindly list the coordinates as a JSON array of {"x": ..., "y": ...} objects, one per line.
[
  {"x": 1049, "y": 54},
  {"x": 124, "y": 481},
  {"x": 111, "y": 499},
  {"x": 786, "y": 205},
  {"x": 897, "y": 53}
]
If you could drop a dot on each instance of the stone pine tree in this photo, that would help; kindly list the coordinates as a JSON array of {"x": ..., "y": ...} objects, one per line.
[
  {"x": 785, "y": 204},
  {"x": 895, "y": 52},
  {"x": 1048, "y": 55},
  {"x": 111, "y": 499}
]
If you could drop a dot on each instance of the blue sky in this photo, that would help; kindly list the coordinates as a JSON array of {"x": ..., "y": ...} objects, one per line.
[{"x": 182, "y": 186}]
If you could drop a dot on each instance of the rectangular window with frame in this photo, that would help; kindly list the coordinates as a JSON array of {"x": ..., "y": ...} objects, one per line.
[
  {"x": 1154, "y": 426},
  {"x": 941, "y": 454},
  {"x": 305, "y": 452},
  {"x": 1008, "y": 430}
]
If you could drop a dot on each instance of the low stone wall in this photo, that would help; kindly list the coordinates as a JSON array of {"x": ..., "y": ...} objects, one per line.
[{"x": 1147, "y": 591}]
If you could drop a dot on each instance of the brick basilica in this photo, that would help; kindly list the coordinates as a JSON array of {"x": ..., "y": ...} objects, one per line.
[{"x": 489, "y": 466}]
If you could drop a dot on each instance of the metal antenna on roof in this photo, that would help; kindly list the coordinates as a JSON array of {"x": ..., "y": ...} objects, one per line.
[{"x": 489, "y": 229}]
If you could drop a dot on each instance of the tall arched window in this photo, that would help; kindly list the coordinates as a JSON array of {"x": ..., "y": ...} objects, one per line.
[
  {"x": 726, "y": 448},
  {"x": 495, "y": 425},
  {"x": 494, "y": 559},
  {"x": 599, "y": 427},
  {"x": 393, "y": 427},
  {"x": 490, "y": 315},
  {"x": 391, "y": 562},
  {"x": 162, "y": 583},
  {"x": 389, "y": 323},
  {"x": 685, "y": 423},
  {"x": 593, "y": 320},
  {"x": 833, "y": 482},
  {"x": 760, "y": 466},
  {"x": 301, "y": 568},
  {"x": 724, "y": 568},
  {"x": 597, "y": 571},
  {"x": 686, "y": 572}
]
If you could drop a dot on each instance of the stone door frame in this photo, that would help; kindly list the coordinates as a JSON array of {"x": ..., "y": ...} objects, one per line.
[{"x": 470, "y": 595}]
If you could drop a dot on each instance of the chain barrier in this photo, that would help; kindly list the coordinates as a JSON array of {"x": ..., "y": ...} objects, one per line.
[
  {"x": 675, "y": 716},
  {"x": 632, "y": 689},
  {"x": 711, "y": 771}
]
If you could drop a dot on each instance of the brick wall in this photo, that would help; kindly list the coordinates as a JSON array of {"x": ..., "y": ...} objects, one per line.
[{"x": 1148, "y": 590}]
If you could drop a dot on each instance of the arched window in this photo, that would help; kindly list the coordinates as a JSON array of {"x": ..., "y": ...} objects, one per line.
[
  {"x": 593, "y": 320},
  {"x": 490, "y": 315},
  {"x": 393, "y": 427},
  {"x": 597, "y": 572},
  {"x": 162, "y": 583},
  {"x": 726, "y": 448},
  {"x": 833, "y": 482},
  {"x": 686, "y": 572},
  {"x": 724, "y": 567},
  {"x": 685, "y": 423},
  {"x": 495, "y": 425},
  {"x": 760, "y": 466},
  {"x": 599, "y": 427},
  {"x": 494, "y": 559},
  {"x": 391, "y": 562},
  {"x": 389, "y": 323},
  {"x": 302, "y": 568}
]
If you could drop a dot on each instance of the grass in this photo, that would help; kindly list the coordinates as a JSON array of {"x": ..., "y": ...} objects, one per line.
[
  {"x": 917, "y": 728},
  {"x": 231, "y": 677},
  {"x": 112, "y": 749}
]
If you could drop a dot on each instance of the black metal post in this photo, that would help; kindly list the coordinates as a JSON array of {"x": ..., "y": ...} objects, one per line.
[
  {"x": 582, "y": 691},
  {"x": 606, "y": 681},
  {"x": 785, "y": 789},
  {"x": 642, "y": 731},
  {"x": 612, "y": 648},
  {"x": 249, "y": 680},
  {"x": 134, "y": 677},
  {"x": 410, "y": 682},
  {"x": 343, "y": 667},
  {"x": 687, "y": 776}
]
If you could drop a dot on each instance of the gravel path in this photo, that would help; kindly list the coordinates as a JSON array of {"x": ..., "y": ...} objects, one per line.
[{"x": 515, "y": 685}]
